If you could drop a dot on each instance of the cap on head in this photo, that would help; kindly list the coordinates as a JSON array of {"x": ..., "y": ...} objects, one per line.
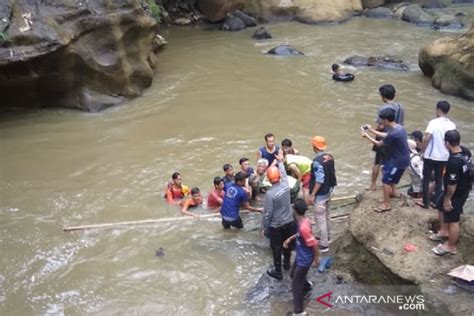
[
  {"x": 319, "y": 142},
  {"x": 273, "y": 174}
]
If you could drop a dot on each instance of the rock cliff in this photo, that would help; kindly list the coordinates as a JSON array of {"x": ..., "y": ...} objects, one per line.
[
  {"x": 450, "y": 64},
  {"x": 85, "y": 55}
]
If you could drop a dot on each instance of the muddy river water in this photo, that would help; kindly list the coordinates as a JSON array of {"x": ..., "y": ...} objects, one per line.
[{"x": 215, "y": 96}]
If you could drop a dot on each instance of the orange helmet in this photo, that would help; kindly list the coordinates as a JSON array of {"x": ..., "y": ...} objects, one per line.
[{"x": 273, "y": 174}]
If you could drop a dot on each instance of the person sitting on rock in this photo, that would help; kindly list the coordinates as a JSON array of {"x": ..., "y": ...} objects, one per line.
[
  {"x": 175, "y": 190},
  {"x": 287, "y": 146},
  {"x": 195, "y": 200},
  {"x": 228, "y": 173},
  {"x": 339, "y": 75},
  {"x": 216, "y": 196}
]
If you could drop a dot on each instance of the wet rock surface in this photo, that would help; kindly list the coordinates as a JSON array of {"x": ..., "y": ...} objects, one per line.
[
  {"x": 80, "y": 55},
  {"x": 284, "y": 50},
  {"x": 379, "y": 13},
  {"x": 261, "y": 34},
  {"x": 377, "y": 242},
  {"x": 450, "y": 64},
  {"x": 383, "y": 62}
]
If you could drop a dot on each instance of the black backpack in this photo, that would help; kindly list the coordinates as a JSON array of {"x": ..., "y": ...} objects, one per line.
[{"x": 470, "y": 167}]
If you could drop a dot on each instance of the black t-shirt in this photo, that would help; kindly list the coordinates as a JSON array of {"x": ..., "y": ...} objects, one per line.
[{"x": 457, "y": 172}]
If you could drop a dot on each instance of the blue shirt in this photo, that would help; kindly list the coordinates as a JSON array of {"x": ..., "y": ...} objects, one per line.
[
  {"x": 233, "y": 197},
  {"x": 397, "y": 146},
  {"x": 269, "y": 156}
]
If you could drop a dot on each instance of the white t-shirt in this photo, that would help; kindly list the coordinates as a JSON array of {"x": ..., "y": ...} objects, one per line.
[{"x": 436, "y": 148}]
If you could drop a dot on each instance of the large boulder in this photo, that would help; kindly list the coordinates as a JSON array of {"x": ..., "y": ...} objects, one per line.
[
  {"x": 217, "y": 10},
  {"x": 305, "y": 11},
  {"x": 284, "y": 50},
  {"x": 85, "y": 55},
  {"x": 450, "y": 64},
  {"x": 233, "y": 24},
  {"x": 415, "y": 14},
  {"x": 247, "y": 19},
  {"x": 383, "y": 62},
  {"x": 369, "y": 4},
  {"x": 374, "y": 251},
  {"x": 261, "y": 34},
  {"x": 378, "y": 13}
]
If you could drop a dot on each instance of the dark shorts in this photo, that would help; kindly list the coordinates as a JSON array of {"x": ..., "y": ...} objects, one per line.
[
  {"x": 235, "y": 223},
  {"x": 455, "y": 215},
  {"x": 380, "y": 155},
  {"x": 391, "y": 175}
]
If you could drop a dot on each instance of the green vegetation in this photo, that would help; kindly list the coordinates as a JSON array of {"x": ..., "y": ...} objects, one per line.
[{"x": 154, "y": 9}]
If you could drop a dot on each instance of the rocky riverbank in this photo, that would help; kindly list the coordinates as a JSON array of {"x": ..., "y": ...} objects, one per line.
[
  {"x": 82, "y": 55},
  {"x": 372, "y": 250}
]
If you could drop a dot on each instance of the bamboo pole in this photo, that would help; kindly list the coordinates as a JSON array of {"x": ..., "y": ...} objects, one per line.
[
  {"x": 177, "y": 219},
  {"x": 142, "y": 222}
]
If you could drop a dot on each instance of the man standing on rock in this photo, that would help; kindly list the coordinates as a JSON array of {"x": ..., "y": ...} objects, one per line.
[
  {"x": 457, "y": 185},
  {"x": 434, "y": 152},
  {"x": 387, "y": 93},
  {"x": 395, "y": 142},
  {"x": 278, "y": 222},
  {"x": 321, "y": 184}
]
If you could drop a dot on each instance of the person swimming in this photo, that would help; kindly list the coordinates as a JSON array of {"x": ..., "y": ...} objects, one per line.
[{"x": 338, "y": 75}]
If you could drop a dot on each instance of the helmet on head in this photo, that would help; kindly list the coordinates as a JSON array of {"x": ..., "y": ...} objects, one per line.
[{"x": 273, "y": 174}]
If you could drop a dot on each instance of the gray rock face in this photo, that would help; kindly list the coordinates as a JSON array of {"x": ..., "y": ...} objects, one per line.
[
  {"x": 233, "y": 24},
  {"x": 369, "y": 4},
  {"x": 84, "y": 55},
  {"x": 415, "y": 14},
  {"x": 450, "y": 64},
  {"x": 433, "y": 4},
  {"x": 284, "y": 50},
  {"x": 448, "y": 21},
  {"x": 383, "y": 62},
  {"x": 261, "y": 34},
  {"x": 379, "y": 13},
  {"x": 463, "y": 1},
  {"x": 247, "y": 19}
]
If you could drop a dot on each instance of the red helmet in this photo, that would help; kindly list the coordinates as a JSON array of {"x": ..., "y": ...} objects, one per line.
[{"x": 273, "y": 174}]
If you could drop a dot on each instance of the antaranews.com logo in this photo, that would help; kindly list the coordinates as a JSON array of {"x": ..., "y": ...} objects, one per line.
[{"x": 404, "y": 302}]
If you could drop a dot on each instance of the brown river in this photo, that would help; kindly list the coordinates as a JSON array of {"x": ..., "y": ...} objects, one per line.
[{"x": 214, "y": 97}]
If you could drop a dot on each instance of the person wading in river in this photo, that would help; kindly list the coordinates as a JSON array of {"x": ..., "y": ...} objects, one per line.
[
  {"x": 175, "y": 190},
  {"x": 306, "y": 255},
  {"x": 278, "y": 223},
  {"x": 322, "y": 182},
  {"x": 194, "y": 201},
  {"x": 216, "y": 196},
  {"x": 234, "y": 197},
  {"x": 269, "y": 150},
  {"x": 395, "y": 141},
  {"x": 299, "y": 167},
  {"x": 387, "y": 93}
]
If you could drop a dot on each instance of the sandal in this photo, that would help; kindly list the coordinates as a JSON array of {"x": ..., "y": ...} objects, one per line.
[
  {"x": 441, "y": 250},
  {"x": 382, "y": 210},
  {"x": 438, "y": 237},
  {"x": 422, "y": 205}
]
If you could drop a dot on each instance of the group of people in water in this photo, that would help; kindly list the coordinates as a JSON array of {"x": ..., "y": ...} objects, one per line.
[{"x": 282, "y": 175}]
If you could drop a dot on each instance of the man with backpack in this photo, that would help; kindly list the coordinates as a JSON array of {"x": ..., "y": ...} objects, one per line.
[
  {"x": 457, "y": 185},
  {"x": 321, "y": 184}
]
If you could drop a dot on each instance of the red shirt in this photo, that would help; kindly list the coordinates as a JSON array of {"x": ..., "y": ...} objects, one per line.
[{"x": 212, "y": 201}]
